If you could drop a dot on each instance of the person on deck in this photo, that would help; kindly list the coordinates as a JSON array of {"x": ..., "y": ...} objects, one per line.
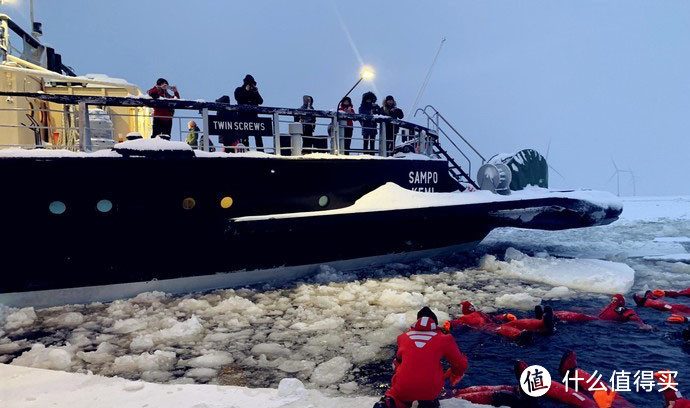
[
  {"x": 369, "y": 131},
  {"x": 418, "y": 373},
  {"x": 248, "y": 94},
  {"x": 193, "y": 139},
  {"x": 390, "y": 108},
  {"x": 345, "y": 106},
  {"x": 649, "y": 300},
  {"x": 309, "y": 143},
  {"x": 162, "y": 117}
]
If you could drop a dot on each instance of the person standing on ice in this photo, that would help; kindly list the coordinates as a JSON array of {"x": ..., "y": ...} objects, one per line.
[
  {"x": 162, "y": 117},
  {"x": 248, "y": 94},
  {"x": 418, "y": 374},
  {"x": 369, "y": 107},
  {"x": 390, "y": 108}
]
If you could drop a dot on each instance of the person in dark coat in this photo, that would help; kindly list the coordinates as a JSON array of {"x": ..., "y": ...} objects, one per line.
[
  {"x": 390, "y": 108},
  {"x": 345, "y": 106},
  {"x": 309, "y": 143},
  {"x": 248, "y": 94},
  {"x": 369, "y": 107},
  {"x": 162, "y": 117}
]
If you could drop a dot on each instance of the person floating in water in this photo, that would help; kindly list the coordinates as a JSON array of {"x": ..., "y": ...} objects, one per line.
[
  {"x": 672, "y": 398},
  {"x": 649, "y": 300},
  {"x": 506, "y": 325},
  {"x": 579, "y": 379},
  {"x": 671, "y": 293},
  {"x": 418, "y": 373},
  {"x": 512, "y": 396},
  {"x": 614, "y": 311}
]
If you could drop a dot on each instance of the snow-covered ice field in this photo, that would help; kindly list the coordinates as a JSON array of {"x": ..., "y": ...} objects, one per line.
[{"x": 335, "y": 333}]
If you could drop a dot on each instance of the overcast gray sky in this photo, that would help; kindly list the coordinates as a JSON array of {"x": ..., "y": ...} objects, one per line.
[{"x": 595, "y": 79}]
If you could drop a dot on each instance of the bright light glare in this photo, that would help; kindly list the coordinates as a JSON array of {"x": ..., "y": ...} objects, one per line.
[{"x": 367, "y": 73}]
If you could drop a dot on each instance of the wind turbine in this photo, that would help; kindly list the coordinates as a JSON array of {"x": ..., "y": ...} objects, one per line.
[{"x": 617, "y": 175}]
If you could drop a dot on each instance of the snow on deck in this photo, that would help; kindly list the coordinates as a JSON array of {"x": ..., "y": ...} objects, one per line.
[{"x": 390, "y": 197}]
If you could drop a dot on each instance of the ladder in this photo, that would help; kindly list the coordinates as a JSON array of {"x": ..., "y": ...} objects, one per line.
[{"x": 454, "y": 169}]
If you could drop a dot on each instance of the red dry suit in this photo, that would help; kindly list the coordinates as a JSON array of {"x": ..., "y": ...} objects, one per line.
[
  {"x": 418, "y": 373},
  {"x": 672, "y": 293},
  {"x": 601, "y": 392},
  {"x": 616, "y": 311},
  {"x": 665, "y": 307},
  {"x": 566, "y": 316}
]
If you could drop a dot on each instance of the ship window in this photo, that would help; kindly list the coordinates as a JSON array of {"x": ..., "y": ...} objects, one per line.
[
  {"x": 57, "y": 207},
  {"x": 323, "y": 201},
  {"x": 188, "y": 203},
  {"x": 104, "y": 206},
  {"x": 226, "y": 202}
]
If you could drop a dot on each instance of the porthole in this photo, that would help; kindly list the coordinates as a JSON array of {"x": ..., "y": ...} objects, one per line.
[
  {"x": 57, "y": 207},
  {"x": 323, "y": 201},
  {"x": 104, "y": 206},
  {"x": 226, "y": 202},
  {"x": 188, "y": 203}
]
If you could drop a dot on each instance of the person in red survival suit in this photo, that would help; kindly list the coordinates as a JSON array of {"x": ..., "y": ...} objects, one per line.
[
  {"x": 671, "y": 293},
  {"x": 418, "y": 374},
  {"x": 672, "y": 398},
  {"x": 600, "y": 391},
  {"x": 506, "y": 325},
  {"x": 649, "y": 300},
  {"x": 614, "y": 311}
]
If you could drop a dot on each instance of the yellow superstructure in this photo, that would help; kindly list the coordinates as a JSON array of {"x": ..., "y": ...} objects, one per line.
[{"x": 28, "y": 122}]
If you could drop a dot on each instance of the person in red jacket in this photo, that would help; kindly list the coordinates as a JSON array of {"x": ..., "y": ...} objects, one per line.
[
  {"x": 346, "y": 129},
  {"x": 649, "y": 300},
  {"x": 418, "y": 374},
  {"x": 671, "y": 293},
  {"x": 162, "y": 117}
]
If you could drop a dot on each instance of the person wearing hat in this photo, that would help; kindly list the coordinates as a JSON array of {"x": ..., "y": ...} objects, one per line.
[
  {"x": 369, "y": 107},
  {"x": 248, "y": 94},
  {"x": 390, "y": 108},
  {"x": 418, "y": 373}
]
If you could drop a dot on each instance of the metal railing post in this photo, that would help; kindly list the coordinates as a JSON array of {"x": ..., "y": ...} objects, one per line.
[
  {"x": 84, "y": 128},
  {"x": 276, "y": 135},
  {"x": 206, "y": 139},
  {"x": 335, "y": 137},
  {"x": 382, "y": 139}
]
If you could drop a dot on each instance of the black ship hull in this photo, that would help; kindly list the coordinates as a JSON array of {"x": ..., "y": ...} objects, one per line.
[{"x": 152, "y": 240}]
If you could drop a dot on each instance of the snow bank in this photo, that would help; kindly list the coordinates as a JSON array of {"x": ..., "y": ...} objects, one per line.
[{"x": 589, "y": 275}]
